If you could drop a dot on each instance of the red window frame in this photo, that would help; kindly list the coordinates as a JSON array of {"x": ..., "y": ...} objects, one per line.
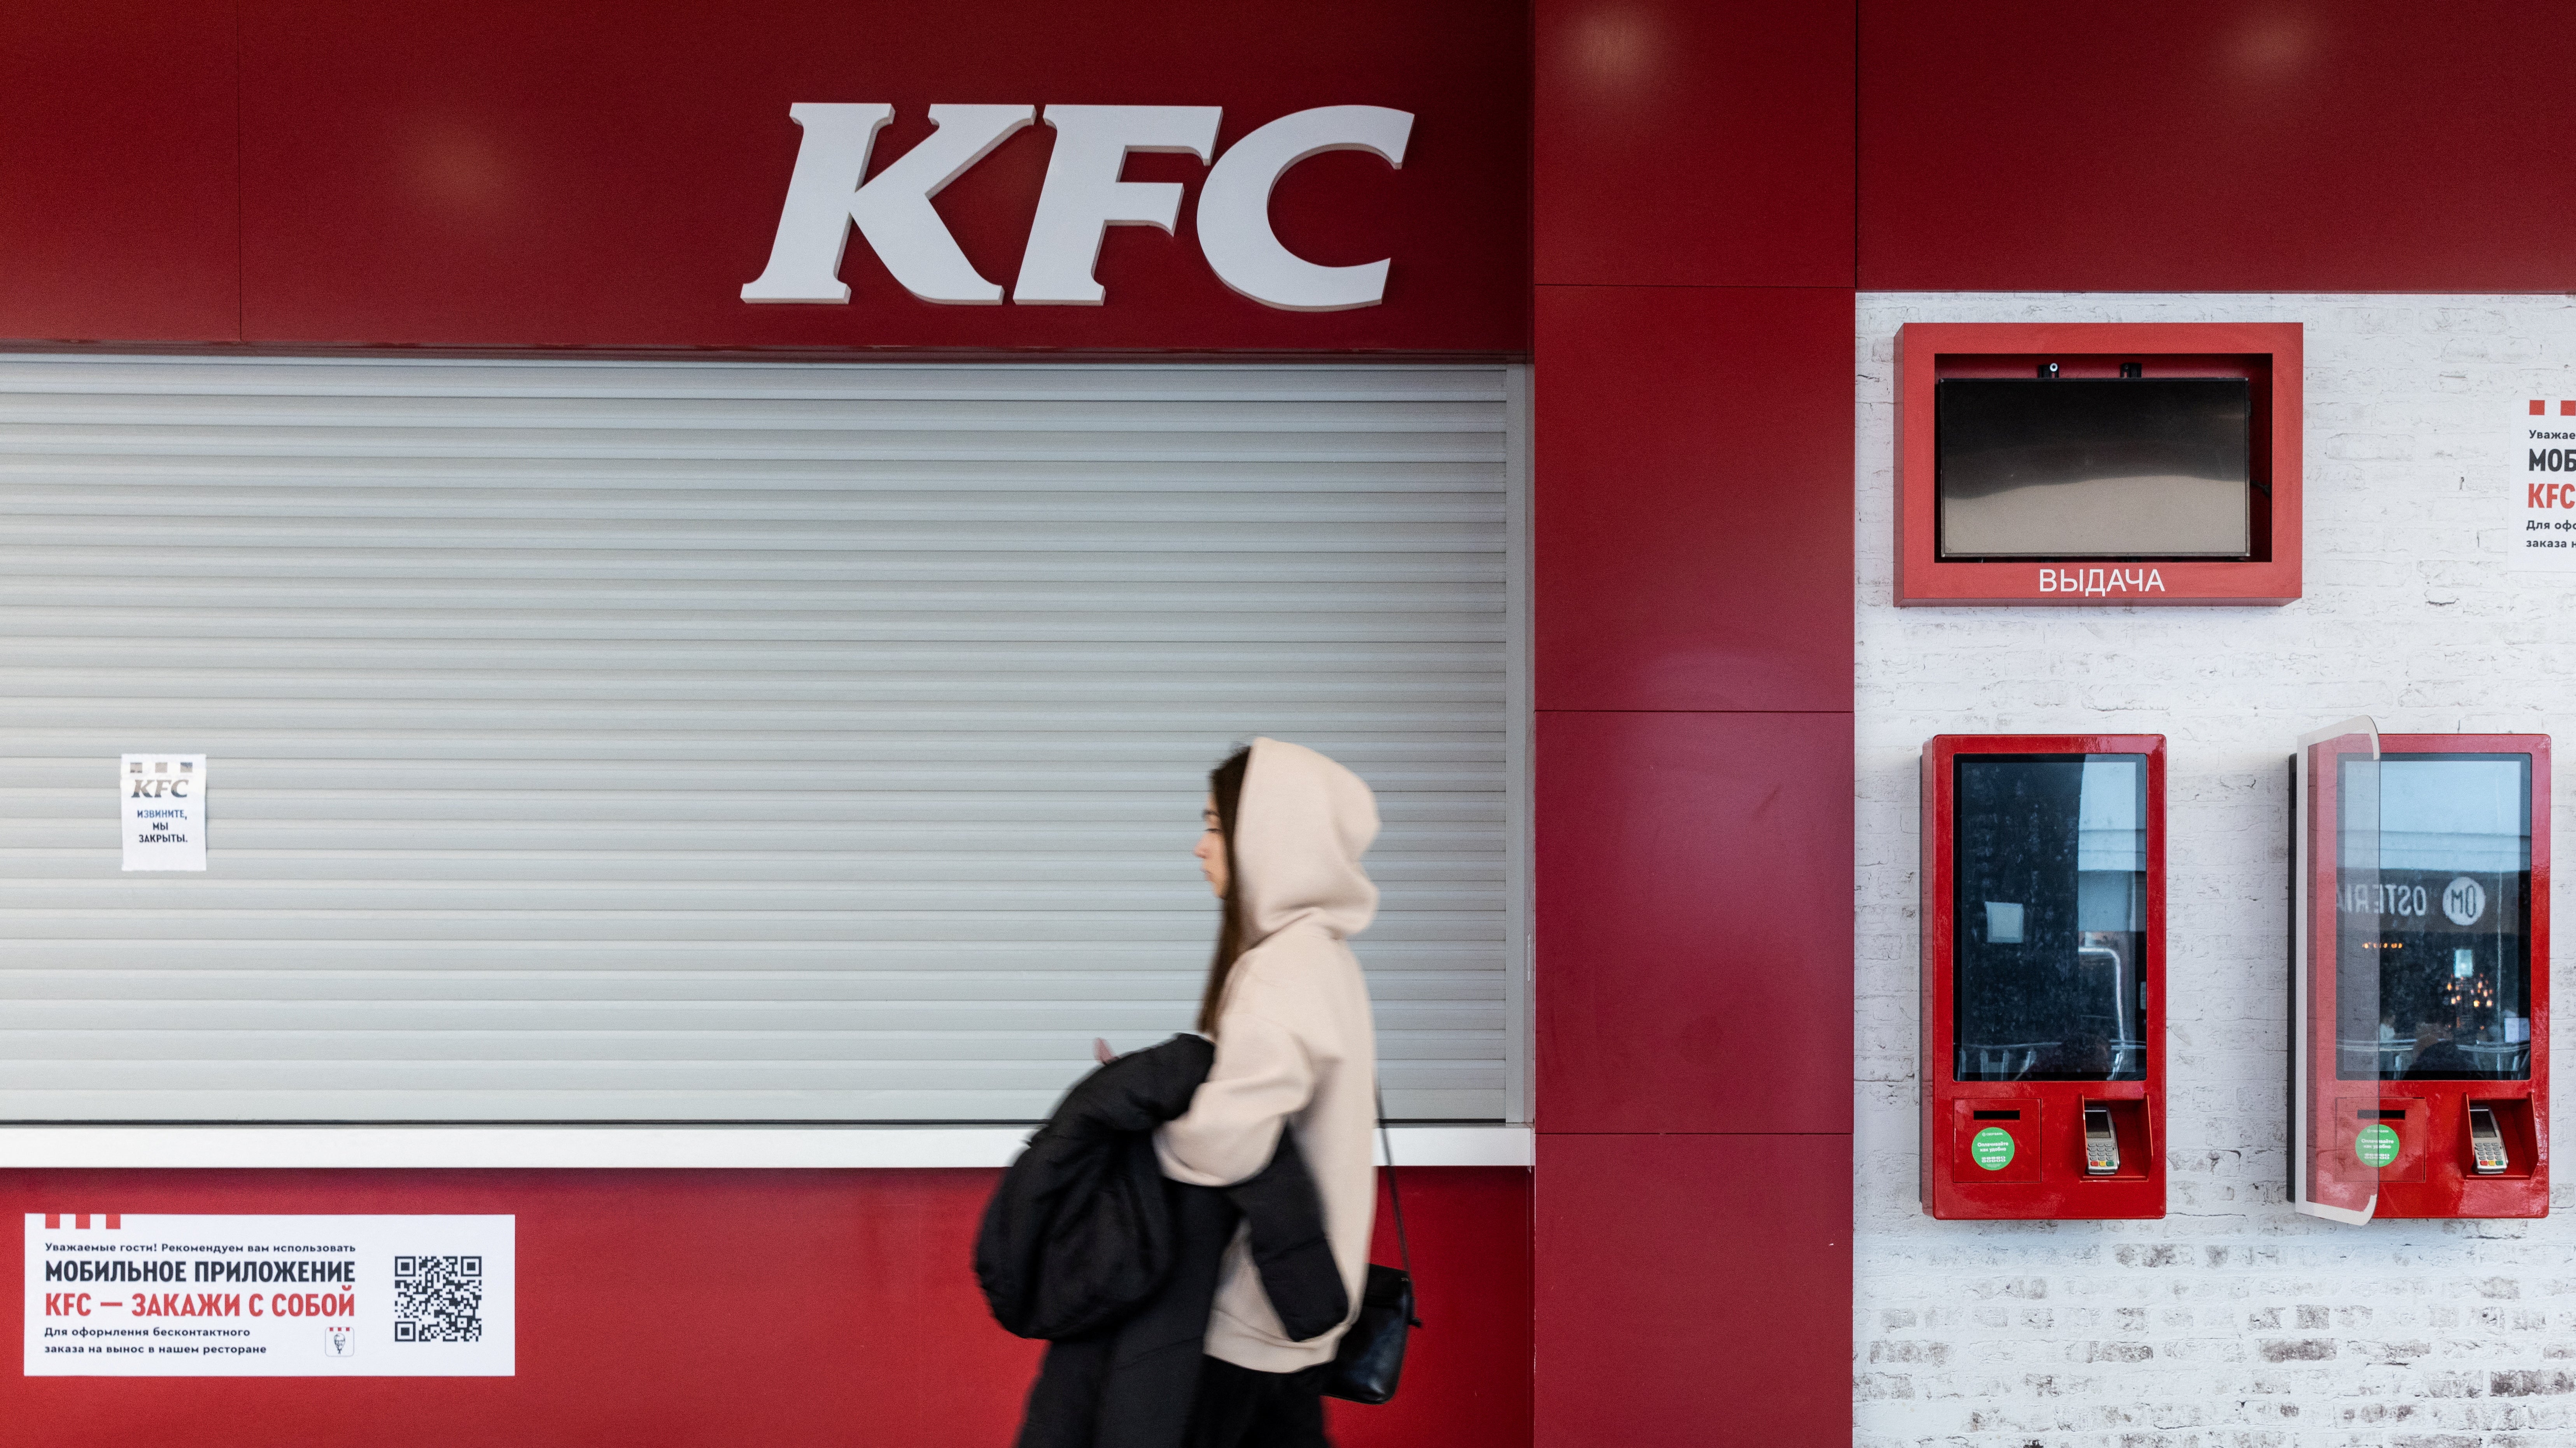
[
  {"x": 2267, "y": 354},
  {"x": 2433, "y": 1177},
  {"x": 2057, "y": 1187}
]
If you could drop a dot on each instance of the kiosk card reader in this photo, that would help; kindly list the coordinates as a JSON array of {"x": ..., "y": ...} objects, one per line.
[
  {"x": 2043, "y": 976},
  {"x": 2487, "y": 1156},
  {"x": 2101, "y": 1143},
  {"x": 2419, "y": 974}
]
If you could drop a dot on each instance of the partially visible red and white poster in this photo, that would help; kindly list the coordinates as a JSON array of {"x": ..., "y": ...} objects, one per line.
[
  {"x": 2544, "y": 449},
  {"x": 110, "y": 1295}
]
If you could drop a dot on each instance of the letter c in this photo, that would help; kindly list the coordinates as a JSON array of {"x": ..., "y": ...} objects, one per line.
[{"x": 1234, "y": 208}]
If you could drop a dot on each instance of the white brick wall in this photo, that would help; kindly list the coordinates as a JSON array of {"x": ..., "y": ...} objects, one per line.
[{"x": 2234, "y": 1321}]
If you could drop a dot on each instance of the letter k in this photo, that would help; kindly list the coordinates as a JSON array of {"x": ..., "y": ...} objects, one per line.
[{"x": 826, "y": 197}]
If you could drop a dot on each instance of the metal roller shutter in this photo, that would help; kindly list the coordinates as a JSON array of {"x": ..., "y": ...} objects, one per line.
[{"x": 736, "y": 741}]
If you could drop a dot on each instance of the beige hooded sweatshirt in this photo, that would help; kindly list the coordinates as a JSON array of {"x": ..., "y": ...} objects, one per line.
[{"x": 1294, "y": 1043}]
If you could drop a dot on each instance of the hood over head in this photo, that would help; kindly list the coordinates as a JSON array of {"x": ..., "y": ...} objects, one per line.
[{"x": 1299, "y": 832}]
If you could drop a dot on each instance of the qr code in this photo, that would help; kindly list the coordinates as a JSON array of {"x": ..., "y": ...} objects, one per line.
[{"x": 438, "y": 1299}]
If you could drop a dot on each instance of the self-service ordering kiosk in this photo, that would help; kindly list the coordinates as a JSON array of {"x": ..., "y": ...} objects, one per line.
[
  {"x": 2419, "y": 974},
  {"x": 2042, "y": 976}
]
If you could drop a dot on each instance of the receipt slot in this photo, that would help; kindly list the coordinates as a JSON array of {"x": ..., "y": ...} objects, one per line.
[
  {"x": 2043, "y": 976},
  {"x": 2419, "y": 981}
]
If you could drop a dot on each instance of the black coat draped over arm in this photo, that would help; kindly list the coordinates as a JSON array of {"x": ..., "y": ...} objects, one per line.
[{"x": 1086, "y": 1244}]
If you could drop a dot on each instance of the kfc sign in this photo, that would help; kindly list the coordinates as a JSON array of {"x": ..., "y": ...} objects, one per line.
[{"x": 830, "y": 193}]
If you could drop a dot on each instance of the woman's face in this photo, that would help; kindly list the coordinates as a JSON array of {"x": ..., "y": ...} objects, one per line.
[{"x": 1211, "y": 848}]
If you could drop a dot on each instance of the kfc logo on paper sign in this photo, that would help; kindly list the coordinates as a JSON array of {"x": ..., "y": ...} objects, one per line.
[{"x": 830, "y": 194}]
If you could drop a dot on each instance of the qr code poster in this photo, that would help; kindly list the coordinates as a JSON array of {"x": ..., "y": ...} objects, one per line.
[{"x": 110, "y": 1295}]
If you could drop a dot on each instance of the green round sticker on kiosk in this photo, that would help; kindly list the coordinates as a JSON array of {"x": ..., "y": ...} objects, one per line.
[
  {"x": 1991, "y": 1148},
  {"x": 2377, "y": 1144}
]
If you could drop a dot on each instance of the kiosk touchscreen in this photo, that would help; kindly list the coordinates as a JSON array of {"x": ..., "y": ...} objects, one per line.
[
  {"x": 2419, "y": 974},
  {"x": 2043, "y": 976}
]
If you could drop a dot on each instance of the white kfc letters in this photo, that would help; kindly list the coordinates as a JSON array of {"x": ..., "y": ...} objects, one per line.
[
  {"x": 830, "y": 192},
  {"x": 1234, "y": 208},
  {"x": 1083, "y": 196},
  {"x": 825, "y": 199}
]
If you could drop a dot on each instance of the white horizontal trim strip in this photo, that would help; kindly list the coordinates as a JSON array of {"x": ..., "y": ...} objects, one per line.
[{"x": 578, "y": 1147}]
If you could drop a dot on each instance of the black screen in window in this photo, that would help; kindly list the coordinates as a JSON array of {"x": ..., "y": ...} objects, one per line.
[{"x": 2049, "y": 883}]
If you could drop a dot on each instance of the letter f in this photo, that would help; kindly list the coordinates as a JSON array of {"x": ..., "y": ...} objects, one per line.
[{"x": 825, "y": 198}]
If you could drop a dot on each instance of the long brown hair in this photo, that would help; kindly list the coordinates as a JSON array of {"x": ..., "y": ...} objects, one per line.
[{"x": 1225, "y": 786}]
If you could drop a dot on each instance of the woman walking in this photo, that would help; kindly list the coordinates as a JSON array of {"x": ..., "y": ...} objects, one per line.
[{"x": 1295, "y": 1052}]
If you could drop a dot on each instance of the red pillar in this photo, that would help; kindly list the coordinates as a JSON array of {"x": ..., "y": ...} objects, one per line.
[{"x": 1693, "y": 613}]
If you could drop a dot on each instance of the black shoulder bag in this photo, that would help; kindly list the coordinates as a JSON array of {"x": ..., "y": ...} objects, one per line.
[{"x": 1371, "y": 1357}]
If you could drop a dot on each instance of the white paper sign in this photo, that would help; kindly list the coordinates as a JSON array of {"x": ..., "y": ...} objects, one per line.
[
  {"x": 2544, "y": 470},
  {"x": 164, "y": 801},
  {"x": 270, "y": 1297}
]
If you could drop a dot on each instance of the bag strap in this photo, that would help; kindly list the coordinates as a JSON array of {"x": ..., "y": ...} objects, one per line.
[{"x": 1395, "y": 1193}]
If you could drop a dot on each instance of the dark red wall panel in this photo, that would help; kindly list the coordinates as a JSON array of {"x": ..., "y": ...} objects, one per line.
[
  {"x": 1694, "y": 142},
  {"x": 1694, "y": 507},
  {"x": 706, "y": 1307},
  {"x": 2211, "y": 145},
  {"x": 1467, "y": 1370},
  {"x": 1692, "y": 559},
  {"x": 595, "y": 174},
  {"x": 1696, "y": 1291},
  {"x": 116, "y": 173},
  {"x": 670, "y": 1307},
  {"x": 1694, "y": 890}
]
